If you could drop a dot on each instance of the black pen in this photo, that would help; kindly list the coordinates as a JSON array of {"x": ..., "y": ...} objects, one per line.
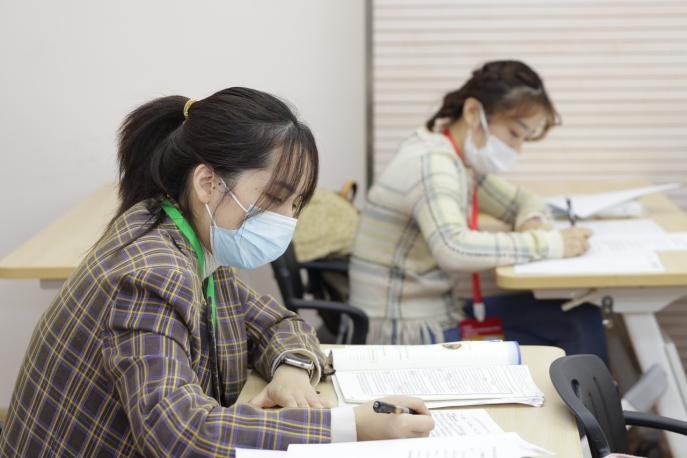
[
  {"x": 385, "y": 407},
  {"x": 571, "y": 214}
]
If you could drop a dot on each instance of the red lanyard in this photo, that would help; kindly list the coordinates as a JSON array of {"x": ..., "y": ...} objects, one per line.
[{"x": 472, "y": 221}]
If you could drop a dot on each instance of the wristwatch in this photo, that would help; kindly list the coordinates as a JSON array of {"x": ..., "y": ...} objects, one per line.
[{"x": 299, "y": 362}]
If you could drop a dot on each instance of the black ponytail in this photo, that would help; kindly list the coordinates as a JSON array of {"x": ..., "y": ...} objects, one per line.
[{"x": 144, "y": 138}]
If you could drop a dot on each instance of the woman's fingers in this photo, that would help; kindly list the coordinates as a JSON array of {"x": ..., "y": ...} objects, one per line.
[
  {"x": 261, "y": 400},
  {"x": 314, "y": 401}
]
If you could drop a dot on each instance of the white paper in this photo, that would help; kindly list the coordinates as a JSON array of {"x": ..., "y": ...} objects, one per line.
[
  {"x": 465, "y": 385},
  {"x": 631, "y": 209},
  {"x": 615, "y": 247},
  {"x": 586, "y": 205},
  {"x": 257, "y": 453},
  {"x": 504, "y": 445},
  {"x": 629, "y": 245},
  {"x": 454, "y": 354},
  {"x": 675, "y": 241},
  {"x": 613, "y": 228},
  {"x": 463, "y": 422},
  {"x": 591, "y": 263}
]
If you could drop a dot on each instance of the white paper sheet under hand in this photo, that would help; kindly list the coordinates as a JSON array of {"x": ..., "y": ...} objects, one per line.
[
  {"x": 505, "y": 445},
  {"x": 612, "y": 228},
  {"x": 639, "y": 262},
  {"x": 630, "y": 244},
  {"x": 626, "y": 237},
  {"x": 463, "y": 422},
  {"x": 615, "y": 247},
  {"x": 448, "y": 423}
]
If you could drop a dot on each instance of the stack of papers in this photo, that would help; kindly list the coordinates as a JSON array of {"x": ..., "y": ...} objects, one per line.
[
  {"x": 628, "y": 246},
  {"x": 443, "y": 375},
  {"x": 503, "y": 445},
  {"x": 442, "y": 387}
]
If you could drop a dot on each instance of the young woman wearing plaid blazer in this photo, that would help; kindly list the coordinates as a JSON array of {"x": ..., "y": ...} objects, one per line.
[{"x": 147, "y": 345}]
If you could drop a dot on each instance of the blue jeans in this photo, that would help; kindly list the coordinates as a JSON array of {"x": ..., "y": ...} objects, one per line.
[{"x": 532, "y": 321}]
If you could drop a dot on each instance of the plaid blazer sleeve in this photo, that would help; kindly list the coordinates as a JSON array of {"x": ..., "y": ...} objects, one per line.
[
  {"x": 147, "y": 350},
  {"x": 509, "y": 203},
  {"x": 438, "y": 209},
  {"x": 274, "y": 331}
]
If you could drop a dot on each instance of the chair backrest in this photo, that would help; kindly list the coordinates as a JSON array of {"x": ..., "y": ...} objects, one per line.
[
  {"x": 587, "y": 388},
  {"x": 287, "y": 272},
  {"x": 288, "y": 276}
]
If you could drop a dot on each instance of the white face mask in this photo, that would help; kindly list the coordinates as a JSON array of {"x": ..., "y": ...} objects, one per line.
[{"x": 495, "y": 156}]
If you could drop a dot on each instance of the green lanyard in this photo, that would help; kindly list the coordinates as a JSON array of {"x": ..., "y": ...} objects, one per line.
[{"x": 190, "y": 234}]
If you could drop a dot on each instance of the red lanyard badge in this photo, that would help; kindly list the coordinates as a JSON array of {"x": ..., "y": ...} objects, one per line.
[{"x": 482, "y": 328}]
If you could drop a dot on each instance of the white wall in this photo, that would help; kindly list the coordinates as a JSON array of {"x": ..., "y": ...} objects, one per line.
[{"x": 70, "y": 71}]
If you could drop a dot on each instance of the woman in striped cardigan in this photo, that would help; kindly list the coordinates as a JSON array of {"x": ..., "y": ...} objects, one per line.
[{"x": 418, "y": 241}]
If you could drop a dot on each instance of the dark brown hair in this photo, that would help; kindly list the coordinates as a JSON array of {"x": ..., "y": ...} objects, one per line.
[
  {"x": 507, "y": 87},
  {"x": 232, "y": 131}
]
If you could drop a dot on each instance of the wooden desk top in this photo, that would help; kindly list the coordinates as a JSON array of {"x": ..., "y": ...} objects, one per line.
[
  {"x": 56, "y": 251},
  {"x": 551, "y": 426},
  {"x": 658, "y": 207}
]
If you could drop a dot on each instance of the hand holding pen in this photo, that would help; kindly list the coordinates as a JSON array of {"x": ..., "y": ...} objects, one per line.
[
  {"x": 575, "y": 239},
  {"x": 393, "y": 417}
]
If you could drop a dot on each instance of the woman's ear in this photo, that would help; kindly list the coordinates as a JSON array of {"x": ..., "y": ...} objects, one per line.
[
  {"x": 471, "y": 112},
  {"x": 203, "y": 183}
]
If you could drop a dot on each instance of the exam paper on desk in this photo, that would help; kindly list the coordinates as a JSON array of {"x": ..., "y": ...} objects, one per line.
[
  {"x": 459, "y": 433},
  {"x": 615, "y": 247},
  {"x": 463, "y": 422},
  {"x": 503, "y": 445}
]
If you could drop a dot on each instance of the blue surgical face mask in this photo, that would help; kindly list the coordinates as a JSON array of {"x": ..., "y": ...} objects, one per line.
[{"x": 261, "y": 239}]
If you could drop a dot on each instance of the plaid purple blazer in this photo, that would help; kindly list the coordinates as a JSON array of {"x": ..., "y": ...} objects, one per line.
[{"x": 119, "y": 363}]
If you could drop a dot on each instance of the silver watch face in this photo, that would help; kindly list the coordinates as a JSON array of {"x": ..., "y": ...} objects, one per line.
[{"x": 299, "y": 362}]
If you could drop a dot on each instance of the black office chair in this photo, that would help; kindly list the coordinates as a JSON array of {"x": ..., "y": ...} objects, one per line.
[
  {"x": 587, "y": 388},
  {"x": 287, "y": 271}
]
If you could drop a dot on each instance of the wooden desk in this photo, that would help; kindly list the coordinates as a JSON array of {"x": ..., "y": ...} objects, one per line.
[
  {"x": 659, "y": 208},
  {"x": 56, "y": 251},
  {"x": 551, "y": 426},
  {"x": 636, "y": 296}
]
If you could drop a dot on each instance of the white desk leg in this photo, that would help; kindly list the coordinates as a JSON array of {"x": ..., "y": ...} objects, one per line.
[{"x": 650, "y": 349}]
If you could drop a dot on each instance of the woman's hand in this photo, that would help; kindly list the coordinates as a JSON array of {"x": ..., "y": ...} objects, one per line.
[
  {"x": 575, "y": 241},
  {"x": 534, "y": 224},
  {"x": 371, "y": 425},
  {"x": 290, "y": 387}
]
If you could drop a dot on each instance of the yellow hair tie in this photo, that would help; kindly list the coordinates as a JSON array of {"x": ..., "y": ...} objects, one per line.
[{"x": 187, "y": 106}]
